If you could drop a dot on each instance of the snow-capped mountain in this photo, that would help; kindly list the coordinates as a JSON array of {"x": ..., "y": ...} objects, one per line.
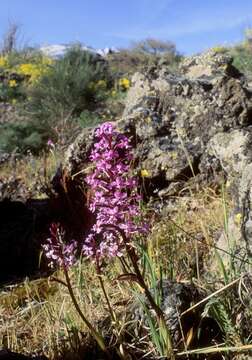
[{"x": 58, "y": 50}]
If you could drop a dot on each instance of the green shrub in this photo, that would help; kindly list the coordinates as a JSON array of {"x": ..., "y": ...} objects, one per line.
[
  {"x": 242, "y": 55},
  {"x": 71, "y": 86},
  {"x": 6, "y": 92},
  {"x": 88, "y": 118},
  {"x": 22, "y": 136},
  {"x": 27, "y": 55},
  {"x": 20, "y": 69},
  {"x": 11, "y": 89},
  {"x": 142, "y": 54}
]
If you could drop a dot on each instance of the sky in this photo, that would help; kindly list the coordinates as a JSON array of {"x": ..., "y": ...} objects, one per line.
[{"x": 193, "y": 25}]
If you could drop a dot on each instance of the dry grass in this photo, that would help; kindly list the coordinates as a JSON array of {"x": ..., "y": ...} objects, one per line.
[
  {"x": 181, "y": 242},
  {"x": 31, "y": 173},
  {"x": 38, "y": 316}
]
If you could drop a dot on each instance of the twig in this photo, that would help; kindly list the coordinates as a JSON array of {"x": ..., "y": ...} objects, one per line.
[{"x": 210, "y": 296}]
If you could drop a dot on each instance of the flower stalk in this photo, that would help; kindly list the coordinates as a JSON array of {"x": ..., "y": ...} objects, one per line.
[
  {"x": 63, "y": 255},
  {"x": 115, "y": 204},
  {"x": 92, "y": 330}
]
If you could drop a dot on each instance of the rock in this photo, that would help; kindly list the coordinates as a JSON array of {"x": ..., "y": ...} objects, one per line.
[
  {"x": 233, "y": 153},
  {"x": 232, "y": 149},
  {"x": 244, "y": 187},
  {"x": 173, "y": 118},
  {"x": 210, "y": 64},
  {"x": 77, "y": 153},
  {"x": 10, "y": 355},
  {"x": 14, "y": 188},
  {"x": 176, "y": 297},
  {"x": 4, "y": 157},
  {"x": 195, "y": 125}
]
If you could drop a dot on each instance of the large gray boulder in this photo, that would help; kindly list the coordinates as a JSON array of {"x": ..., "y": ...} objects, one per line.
[
  {"x": 173, "y": 118},
  {"x": 175, "y": 298},
  {"x": 192, "y": 126}
]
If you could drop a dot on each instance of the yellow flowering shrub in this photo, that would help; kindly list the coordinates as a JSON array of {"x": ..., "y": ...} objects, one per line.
[
  {"x": 16, "y": 70},
  {"x": 33, "y": 71},
  {"x": 124, "y": 83},
  {"x": 3, "y": 62},
  {"x": 12, "y": 83}
]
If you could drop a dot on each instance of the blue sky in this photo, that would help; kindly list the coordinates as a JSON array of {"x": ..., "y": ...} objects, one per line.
[{"x": 194, "y": 25}]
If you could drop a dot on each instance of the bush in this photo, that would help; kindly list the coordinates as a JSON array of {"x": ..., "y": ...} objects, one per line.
[
  {"x": 142, "y": 54},
  {"x": 88, "y": 118},
  {"x": 19, "y": 70},
  {"x": 22, "y": 136},
  {"x": 242, "y": 55},
  {"x": 11, "y": 88},
  {"x": 58, "y": 96},
  {"x": 76, "y": 82}
]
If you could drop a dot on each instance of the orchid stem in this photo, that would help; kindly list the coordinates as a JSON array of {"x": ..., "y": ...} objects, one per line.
[{"x": 96, "y": 335}]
